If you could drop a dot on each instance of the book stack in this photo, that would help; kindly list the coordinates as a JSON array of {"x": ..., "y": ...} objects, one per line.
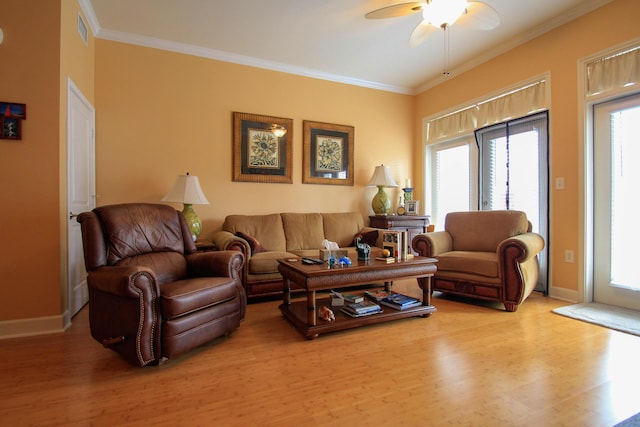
[
  {"x": 360, "y": 309},
  {"x": 400, "y": 301}
]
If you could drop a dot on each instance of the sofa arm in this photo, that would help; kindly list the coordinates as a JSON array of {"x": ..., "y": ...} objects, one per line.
[
  {"x": 226, "y": 241},
  {"x": 219, "y": 263},
  {"x": 531, "y": 244},
  {"x": 118, "y": 295},
  {"x": 432, "y": 244},
  {"x": 126, "y": 282},
  {"x": 519, "y": 267}
]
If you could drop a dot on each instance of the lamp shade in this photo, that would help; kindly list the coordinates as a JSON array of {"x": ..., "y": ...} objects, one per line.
[
  {"x": 186, "y": 190},
  {"x": 382, "y": 177}
]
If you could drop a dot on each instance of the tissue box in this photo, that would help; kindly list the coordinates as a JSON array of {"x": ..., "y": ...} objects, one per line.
[{"x": 325, "y": 254}]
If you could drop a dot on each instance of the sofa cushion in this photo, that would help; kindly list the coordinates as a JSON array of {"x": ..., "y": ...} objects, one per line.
[
  {"x": 342, "y": 227},
  {"x": 267, "y": 262},
  {"x": 484, "y": 230},
  {"x": 303, "y": 230},
  {"x": 267, "y": 229},
  {"x": 184, "y": 296},
  {"x": 479, "y": 263},
  {"x": 254, "y": 244}
]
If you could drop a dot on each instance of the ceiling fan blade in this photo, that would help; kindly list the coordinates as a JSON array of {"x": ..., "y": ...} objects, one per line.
[
  {"x": 420, "y": 33},
  {"x": 479, "y": 16},
  {"x": 401, "y": 9}
]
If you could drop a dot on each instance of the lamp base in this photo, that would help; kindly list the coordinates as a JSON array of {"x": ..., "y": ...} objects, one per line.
[
  {"x": 381, "y": 204},
  {"x": 193, "y": 222}
]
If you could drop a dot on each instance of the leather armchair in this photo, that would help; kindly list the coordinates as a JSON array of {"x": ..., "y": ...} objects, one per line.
[
  {"x": 490, "y": 255},
  {"x": 151, "y": 294}
]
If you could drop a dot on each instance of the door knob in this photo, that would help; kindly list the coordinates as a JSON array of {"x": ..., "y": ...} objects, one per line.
[{"x": 72, "y": 215}]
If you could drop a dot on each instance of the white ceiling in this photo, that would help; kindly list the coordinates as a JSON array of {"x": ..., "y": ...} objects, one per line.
[{"x": 328, "y": 39}]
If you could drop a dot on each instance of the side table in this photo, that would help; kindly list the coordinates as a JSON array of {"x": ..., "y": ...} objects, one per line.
[{"x": 413, "y": 224}]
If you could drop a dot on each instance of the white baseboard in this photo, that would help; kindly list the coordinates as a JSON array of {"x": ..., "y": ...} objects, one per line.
[
  {"x": 564, "y": 294},
  {"x": 33, "y": 326}
]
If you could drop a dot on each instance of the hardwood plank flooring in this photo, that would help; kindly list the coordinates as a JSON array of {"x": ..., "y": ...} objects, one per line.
[{"x": 468, "y": 364}]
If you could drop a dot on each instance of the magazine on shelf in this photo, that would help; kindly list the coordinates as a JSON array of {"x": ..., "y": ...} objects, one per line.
[
  {"x": 376, "y": 294},
  {"x": 400, "y": 299},
  {"x": 349, "y": 313},
  {"x": 362, "y": 307},
  {"x": 401, "y": 307}
]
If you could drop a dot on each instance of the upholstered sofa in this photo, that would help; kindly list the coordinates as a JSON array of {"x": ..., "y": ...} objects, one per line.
[
  {"x": 263, "y": 239},
  {"x": 491, "y": 255}
]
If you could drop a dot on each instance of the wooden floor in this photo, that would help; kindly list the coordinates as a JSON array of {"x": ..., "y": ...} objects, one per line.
[{"x": 469, "y": 364}]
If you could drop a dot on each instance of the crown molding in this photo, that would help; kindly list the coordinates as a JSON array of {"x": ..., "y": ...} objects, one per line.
[{"x": 219, "y": 55}]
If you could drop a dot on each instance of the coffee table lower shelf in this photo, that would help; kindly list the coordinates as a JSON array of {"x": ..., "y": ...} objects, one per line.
[{"x": 296, "y": 313}]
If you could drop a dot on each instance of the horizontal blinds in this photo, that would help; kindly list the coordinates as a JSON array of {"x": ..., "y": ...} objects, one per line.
[{"x": 517, "y": 103}]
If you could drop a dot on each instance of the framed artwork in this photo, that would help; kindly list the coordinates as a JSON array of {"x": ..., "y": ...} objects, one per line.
[
  {"x": 412, "y": 207},
  {"x": 327, "y": 153},
  {"x": 11, "y": 109},
  {"x": 258, "y": 154},
  {"x": 11, "y": 128}
]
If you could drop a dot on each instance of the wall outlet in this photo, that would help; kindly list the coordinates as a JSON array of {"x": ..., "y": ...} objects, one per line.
[{"x": 568, "y": 255}]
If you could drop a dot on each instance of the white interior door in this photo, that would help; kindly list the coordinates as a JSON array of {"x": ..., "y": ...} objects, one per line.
[
  {"x": 616, "y": 183},
  {"x": 81, "y": 188}
]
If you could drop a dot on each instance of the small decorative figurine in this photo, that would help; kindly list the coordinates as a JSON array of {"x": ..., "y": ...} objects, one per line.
[
  {"x": 326, "y": 314},
  {"x": 363, "y": 250}
]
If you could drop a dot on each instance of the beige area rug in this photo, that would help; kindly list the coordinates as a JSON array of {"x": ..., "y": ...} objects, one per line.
[{"x": 620, "y": 319}]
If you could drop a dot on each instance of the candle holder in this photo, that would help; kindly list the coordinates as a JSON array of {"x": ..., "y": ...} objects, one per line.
[{"x": 408, "y": 194}]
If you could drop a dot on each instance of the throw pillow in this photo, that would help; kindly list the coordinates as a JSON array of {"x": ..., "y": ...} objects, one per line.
[
  {"x": 369, "y": 237},
  {"x": 254, "y": 244}
]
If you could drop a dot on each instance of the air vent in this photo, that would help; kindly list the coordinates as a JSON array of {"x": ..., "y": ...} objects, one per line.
[{"x": 82, "y": 29}]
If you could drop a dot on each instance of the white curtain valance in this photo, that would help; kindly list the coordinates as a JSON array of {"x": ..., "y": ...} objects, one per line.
[
  {"x": 613, "y": 72},
  {"x": 517, "y": 103}
]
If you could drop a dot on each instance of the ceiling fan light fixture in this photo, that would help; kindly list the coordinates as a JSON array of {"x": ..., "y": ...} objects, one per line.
[{"x": 443, "y": 13}]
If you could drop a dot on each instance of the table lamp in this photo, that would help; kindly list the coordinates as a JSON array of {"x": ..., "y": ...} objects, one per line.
[
  {"x": 381, "y": 178},
  {"x": 187, "y": 191}
]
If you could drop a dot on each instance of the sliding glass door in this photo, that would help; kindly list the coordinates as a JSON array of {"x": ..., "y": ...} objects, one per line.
[
  {"x": 514, "y": 173},
  {"x": 616, "y": 184}
]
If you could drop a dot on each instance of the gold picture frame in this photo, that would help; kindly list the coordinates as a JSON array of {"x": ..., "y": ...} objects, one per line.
[
  {"x": 258, "y": 154},
  {"x": 327, "y": 153}
]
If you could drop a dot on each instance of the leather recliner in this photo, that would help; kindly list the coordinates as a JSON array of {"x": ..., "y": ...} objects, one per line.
[
  {"x": 151, "y": 294},
  {"x": 490, "y": 255}
]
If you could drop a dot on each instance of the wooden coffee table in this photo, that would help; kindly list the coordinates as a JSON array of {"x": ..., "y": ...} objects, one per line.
[{"x": 311, "y": 278}]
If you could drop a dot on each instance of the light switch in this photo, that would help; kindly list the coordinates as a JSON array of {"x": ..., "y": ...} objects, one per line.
[{"x": 560, "y": 183}]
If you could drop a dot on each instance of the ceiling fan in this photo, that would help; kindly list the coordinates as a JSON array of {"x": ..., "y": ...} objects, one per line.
[{"x": 441, "y": 14}]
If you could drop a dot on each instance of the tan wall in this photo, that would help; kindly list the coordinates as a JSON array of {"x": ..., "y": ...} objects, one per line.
[
  {"x": 161, "y": 114},
  {"x": 40, "y": 49},
  {"x": 29, "y": 226},
  {"x": 557, "y": 52}
]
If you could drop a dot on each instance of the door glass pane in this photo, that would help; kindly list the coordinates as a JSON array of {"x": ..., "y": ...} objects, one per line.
[
  {"x": 451, "y": 182},
  {"x": 625, "y": 182},
  {"x": 513, "y": 175}
]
